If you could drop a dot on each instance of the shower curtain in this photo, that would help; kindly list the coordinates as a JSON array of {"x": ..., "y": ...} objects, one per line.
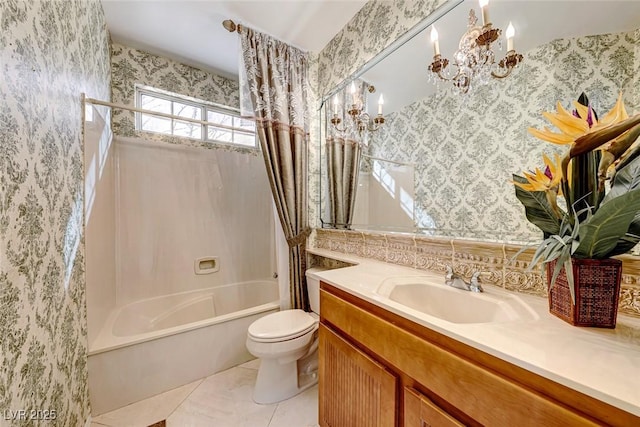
[
  {"x": 344, "y": 146},
  {"x": 343, "y": 164},
  {"x": 273, "y": 92}
]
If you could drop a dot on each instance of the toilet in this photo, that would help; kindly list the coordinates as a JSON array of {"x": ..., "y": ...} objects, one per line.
[{"x": 287, "y": 344}]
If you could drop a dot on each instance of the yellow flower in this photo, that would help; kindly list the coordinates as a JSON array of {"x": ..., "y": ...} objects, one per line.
[
  {"x": 575, "y": 125},
  {"x": 547, "y": 180}
]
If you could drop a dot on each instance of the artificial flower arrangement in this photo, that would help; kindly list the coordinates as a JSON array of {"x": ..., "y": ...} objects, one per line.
[{"x": 587, "y": 201}]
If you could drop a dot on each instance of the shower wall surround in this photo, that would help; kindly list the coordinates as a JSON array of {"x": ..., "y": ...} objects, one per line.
[
  {"x": 465, "y": 149},
  {"x": 132, "y": 67},
  {"x": 177, "y": 199},
  {"x": 52, "y": 51},
  {"x": 100, "y": 224},
  {"x": 176, "y": 204}
]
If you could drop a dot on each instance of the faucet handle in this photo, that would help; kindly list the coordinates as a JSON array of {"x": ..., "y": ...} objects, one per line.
[
  {"x": 448, "y": 277},
  {"x": 449, "y": 270},
  {"x": 475, "y": 285}
]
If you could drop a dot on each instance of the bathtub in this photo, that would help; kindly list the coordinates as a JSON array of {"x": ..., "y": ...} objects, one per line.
[{"x": 157, "y": 344}]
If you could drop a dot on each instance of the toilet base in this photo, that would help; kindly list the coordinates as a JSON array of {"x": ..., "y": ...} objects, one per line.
[{"x": 277, "y": 382}]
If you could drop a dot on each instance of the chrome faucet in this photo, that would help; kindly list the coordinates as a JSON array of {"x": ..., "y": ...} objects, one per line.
[{"x": 456, "y": 281}]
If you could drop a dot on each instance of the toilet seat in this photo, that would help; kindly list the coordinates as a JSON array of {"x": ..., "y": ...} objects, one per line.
[{"x": 282, "y": 326}]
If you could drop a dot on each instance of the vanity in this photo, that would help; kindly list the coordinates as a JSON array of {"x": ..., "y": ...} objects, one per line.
[{"x": 384, "y": 363}]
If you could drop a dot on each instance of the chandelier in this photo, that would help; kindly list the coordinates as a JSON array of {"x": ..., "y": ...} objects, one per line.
[
  {"x": 358, "y": 120},
  {"x": 474, "y": 59}
]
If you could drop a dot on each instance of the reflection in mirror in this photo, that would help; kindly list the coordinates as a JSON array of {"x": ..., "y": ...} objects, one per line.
[
  {"x": 385, "y": 196},
  {"x": 465, "y": 147},
  {"x": 343, "y": 162},
  {"x": 347, "y": 126}
]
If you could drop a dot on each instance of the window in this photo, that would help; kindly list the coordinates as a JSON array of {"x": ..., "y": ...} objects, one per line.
[{"x": 223, "y": 124}]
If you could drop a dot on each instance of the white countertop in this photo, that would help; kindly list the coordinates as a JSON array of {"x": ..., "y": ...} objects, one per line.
[{"x": 602, "y": 363}]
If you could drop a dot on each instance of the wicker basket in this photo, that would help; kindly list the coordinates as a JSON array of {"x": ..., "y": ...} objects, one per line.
[{"x": 597, "y": 290}]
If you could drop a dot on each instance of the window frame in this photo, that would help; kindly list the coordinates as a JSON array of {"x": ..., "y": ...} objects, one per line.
[{"x": 204, "y": 107}]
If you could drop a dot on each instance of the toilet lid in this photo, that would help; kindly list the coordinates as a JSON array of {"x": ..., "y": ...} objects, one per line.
[{"x": 283, "y": 325}]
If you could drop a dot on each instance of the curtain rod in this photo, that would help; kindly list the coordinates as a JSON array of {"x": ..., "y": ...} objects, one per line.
[
  {"x": 94, "y": 101},
  {"x": 231, "y": 26}
]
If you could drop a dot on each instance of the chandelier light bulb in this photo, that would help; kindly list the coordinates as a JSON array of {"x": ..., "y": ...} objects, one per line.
[
  {"x": 434, "y": 34},
  {"x": 336, "y": 104},
  {"x": 484, "y": 5},
  {"x": 434, "y": 40},
  {"x": 354, "y": 94},
  {"x": 380, "y": 103},
  {"x": 510, "y": 33}
]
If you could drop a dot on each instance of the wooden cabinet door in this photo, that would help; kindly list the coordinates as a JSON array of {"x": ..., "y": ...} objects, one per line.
[
  {"x": 354, "y": 390},
  {"x": 419, "y": 411}
]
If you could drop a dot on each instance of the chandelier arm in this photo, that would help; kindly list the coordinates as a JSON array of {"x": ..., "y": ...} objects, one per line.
[
  {"x": 342, "y": 129},
  {"x": 376, "y": 123},
  {"x": 449, "y": 79},
  {"x": 373, "y": 127},
  {"x": 335, "y": 122},
  {"x": 502, "y": 76}
]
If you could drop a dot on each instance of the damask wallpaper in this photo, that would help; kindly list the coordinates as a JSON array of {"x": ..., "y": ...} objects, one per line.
[
  {"x": 52, "y": 51},
  {"x": 374, "y": 27},
  {"x": 131, "y": 66},
  {"x": 466, "y": 149}
]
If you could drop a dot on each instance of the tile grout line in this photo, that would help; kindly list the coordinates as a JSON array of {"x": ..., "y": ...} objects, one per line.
[
  {"x": 202, "y": 380},
  {"x": 186, "y": 397},
  {"x": 273, "y": 414}
]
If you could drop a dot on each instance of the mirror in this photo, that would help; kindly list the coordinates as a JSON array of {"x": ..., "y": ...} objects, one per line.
[
  {"x": 385, "y": 195},
  {"x": 463, "y": 148}
]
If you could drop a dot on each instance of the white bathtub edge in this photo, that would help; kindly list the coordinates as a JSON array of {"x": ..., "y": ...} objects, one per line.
[{"x": 103, "y": 344}]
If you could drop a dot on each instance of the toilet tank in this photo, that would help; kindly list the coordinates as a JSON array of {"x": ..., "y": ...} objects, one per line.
[{"x": 313, "y": 288}]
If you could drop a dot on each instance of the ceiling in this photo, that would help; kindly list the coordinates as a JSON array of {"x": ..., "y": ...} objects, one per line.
[
  {"x": 191, "y": 32},
  {"x": 535, "y": 22}
]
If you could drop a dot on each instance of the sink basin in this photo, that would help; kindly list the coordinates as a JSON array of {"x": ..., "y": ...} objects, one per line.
[{"x": 431, "y": 296}]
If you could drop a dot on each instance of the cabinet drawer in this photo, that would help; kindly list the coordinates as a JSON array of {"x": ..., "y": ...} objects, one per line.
[{"x": 419, "y": 411}]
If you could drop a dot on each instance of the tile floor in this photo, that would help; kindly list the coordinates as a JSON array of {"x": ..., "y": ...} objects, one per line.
[{"x": 221, "y": 400}]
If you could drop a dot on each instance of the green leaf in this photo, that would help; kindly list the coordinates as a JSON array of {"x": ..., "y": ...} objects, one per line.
[
  {"x": 584, "y": 191},
  {"x": 625, "y": 180},
  {"x": 600, "y": 234},
  {"x": 629, "y": 240},
  {"x": 537, "y": 208},
  {"x": 561, "y": 260}
]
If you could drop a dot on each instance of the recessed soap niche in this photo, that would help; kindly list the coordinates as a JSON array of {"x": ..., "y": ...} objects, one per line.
[{"x": 206, "y": 265}]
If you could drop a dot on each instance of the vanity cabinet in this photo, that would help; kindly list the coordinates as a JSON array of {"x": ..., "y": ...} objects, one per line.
[
  {"x": 380, "y": 369},
  {"x": 355, "y": 390}
]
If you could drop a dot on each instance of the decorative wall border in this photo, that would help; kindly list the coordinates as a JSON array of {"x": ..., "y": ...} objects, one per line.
[{"x": 495, "y": 260}]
